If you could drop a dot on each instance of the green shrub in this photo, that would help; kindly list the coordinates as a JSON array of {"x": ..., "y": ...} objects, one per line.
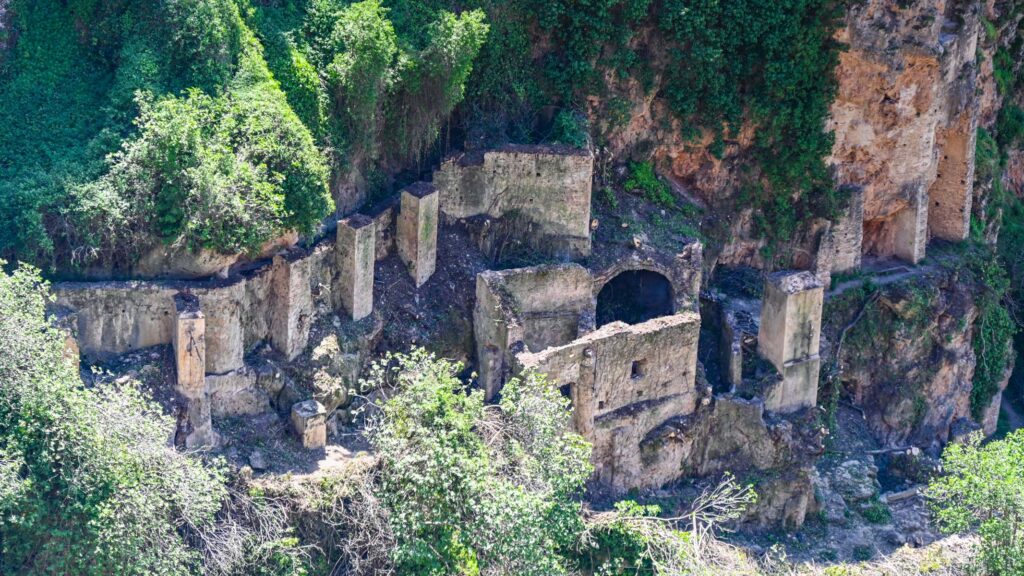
[
  {"x": 877, "y": 513},
  {"x": 993, "y": 333},
  {"x": 430, "y": 82},
  {"x": 570, "y": 128},
  {"x": 248, "y": 168},
  {"x": 643, "y": 179},
  {"x": 863, "y": 552},
  {"x": 468, "y": 487},
  {"x": 88, "y": 482},
  {"x": 983, "y": 490},
  {"x": 1010, "y": 126},
  {"x": 363, "y": 55},
  {"x": 227, "y": 174}
]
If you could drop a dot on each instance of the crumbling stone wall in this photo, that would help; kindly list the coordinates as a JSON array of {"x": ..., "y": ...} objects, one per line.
[
  {"x": 532, "y": 308},
  {"x": 538, "y": 194},
  {"x": 912, "y": 148},
  {"x": 625, "y": 381}
]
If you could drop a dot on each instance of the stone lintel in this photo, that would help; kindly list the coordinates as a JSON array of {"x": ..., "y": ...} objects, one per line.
[
  {"x": 356, "y": 252},
  {"x": 417, "y": 230}
]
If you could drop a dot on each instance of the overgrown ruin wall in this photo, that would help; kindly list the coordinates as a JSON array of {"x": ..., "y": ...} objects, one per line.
[
  {"x": 536, "y": 195},
  {"x": 625, "y": 381},
  {"x": 119, "y": 316},
  {"x": 534, "y": 307}
]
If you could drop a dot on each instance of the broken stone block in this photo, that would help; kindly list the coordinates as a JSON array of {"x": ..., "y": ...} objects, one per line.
[
  {"x": 417, "y": 231},
  {"x": 292, "y": 306},
  {"x": 237, "y": 393},
  {"x": 195, "y": 427},
  {"x": 356, "y": 248},
  {"x": 257, "y": 461},
  {"x": 309, "y": 421},
  {"x": 789, "y": 337},
  {"x": 189, "y": 341},
  {"x": 798, "y": 387}
]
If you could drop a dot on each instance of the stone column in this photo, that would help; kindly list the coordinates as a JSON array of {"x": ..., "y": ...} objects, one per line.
[
  {"x": 356, "y": 256},
  {"x": 189, "y": 340},
  {"x": 848, "y": 232},
  {"x": 950, "y": 195},
  {"x": 309, "y": 421},
  {"x": 911, "y": 237},
  {"x": 417, "y": 230},
  {"x": 731, "y": 349},
  {"x": 789, "y": 338},
  {"x": 292, "y": 307}
]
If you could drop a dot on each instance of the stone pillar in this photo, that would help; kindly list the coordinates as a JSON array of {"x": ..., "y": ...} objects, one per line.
[
  {"x": 950, "y": 195},
  {"x": 731, "y": 348},
  {"x": 848, "y": 232},
  {"x": 225, "y": 342},
  {"x": 292, "y": 308},
  {"x": 417, "y": 230},
  {"x": 189, "y": 340},
  {"x": 789, "y": 337},
  {"x": 911, "y": 234},
  {"x": 356, "y": 256},
  {"x": 309, "y": 421}
]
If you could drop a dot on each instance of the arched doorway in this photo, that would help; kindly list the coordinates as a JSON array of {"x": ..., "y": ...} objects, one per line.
[{"x": 634, "y": 296}]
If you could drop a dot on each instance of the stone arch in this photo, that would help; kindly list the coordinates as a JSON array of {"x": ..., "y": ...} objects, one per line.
[{"x": 634, "y": 296}]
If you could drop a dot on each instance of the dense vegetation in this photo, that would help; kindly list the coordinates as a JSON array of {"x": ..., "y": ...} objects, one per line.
[
  {"x": 1000, "y": 268},
  {"x": 88, "y": 482},
  {"x": 132, "y": 122},
  {"x": 468, "y": 488},
  {"x": 983, "y": 490},
  {"x": 219, "y": 124}
]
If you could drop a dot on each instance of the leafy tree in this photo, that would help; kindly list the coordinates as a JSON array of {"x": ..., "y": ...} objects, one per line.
[
  {"x": 88, "y": 481},
  {"x": 473, "y": 488},
  {"x": 983, "y": 489}
]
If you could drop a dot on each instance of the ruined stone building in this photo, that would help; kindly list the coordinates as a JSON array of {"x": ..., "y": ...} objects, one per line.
[
  {"x": 668, "y": 376},
  {"x": 617, "y": 331}
]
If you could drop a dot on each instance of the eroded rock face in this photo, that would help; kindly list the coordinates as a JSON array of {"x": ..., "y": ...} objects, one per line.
[
  {"x": 908, "y": 363},
  {"x": 736, "y": 435},
  {"x": 904, "y": 119}
]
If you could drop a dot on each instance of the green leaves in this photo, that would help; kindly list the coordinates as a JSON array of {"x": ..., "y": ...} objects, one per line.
[
  {"x": 471, "y": 487},
  {"x": 88, "y": 484},
  {"x": 983, "y": 489}
]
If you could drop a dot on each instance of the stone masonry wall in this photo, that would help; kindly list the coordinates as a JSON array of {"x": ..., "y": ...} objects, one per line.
[
  {"x": 539, "y": 307},
  {"x": 542, "y": 191},
  {"x": 625, "y": 381}
]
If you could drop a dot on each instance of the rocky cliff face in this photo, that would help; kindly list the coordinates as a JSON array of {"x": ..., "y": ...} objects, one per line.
[
  {"x": 905, "y": 118},
  {"x": 910, "y": 95},
  {"x": 906, "y": 361}
]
